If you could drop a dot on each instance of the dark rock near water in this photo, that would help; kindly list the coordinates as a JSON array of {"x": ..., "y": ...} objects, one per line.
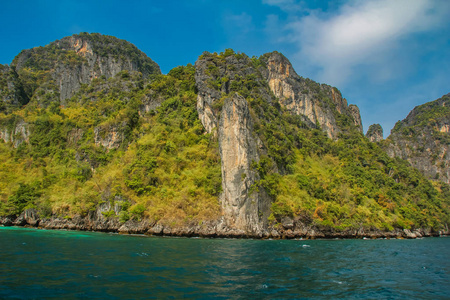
[
  {"x": 134, "y": 227},
  {"x": 6, "y": 221},
  {"x": 211, "y": 229}
]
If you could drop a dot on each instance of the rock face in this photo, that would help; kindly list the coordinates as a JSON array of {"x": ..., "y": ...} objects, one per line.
[
  {"x": 423, "y": 138},
  {"x": 72, "y": 61},
  {"x": 353, "y": 110},
  {"x": 17, "y": 133},
  {"x": 207, "y": 96},
  {"x": 375, "y": 133},
  {"x": 227, "y": 117},
  {"x": 110, "y": 137},
  {"x": 238, "y": 149},
  {"x": 320, "y": 103},
  {"x": 151, "y": 102}
]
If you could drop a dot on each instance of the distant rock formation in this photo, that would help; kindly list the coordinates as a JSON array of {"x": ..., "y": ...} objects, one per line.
[
  {"x": 320, "y": 103},
  {"x": 58, "y": 70},
  {"x": 423, "y": 139},
  {"x": 375, "y": 133}
]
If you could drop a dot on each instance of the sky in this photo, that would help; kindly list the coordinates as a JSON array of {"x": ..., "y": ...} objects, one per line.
[{"x": 386, "y": 56}]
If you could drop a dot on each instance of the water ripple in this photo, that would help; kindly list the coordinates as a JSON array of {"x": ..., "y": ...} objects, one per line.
[{"x": 62, "y": 264}]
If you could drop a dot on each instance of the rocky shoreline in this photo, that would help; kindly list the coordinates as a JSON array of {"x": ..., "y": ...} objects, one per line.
[{"x": 289, "y": 229}]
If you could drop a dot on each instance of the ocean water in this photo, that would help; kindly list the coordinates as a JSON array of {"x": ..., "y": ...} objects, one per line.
[{"x": 49, "y": 264}]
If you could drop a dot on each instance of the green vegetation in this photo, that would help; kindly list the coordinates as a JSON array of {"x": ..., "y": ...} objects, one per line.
[
  {"x": 428, "y": 116},
  {"x": 374, "y": 128},
  {"x": 164, "y": 166},
  {"x": 12, "y": 93},
  {"x": 351, "y": 183}
]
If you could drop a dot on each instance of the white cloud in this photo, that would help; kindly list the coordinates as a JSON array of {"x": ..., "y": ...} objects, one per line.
[{"x": 370, "y": 35}]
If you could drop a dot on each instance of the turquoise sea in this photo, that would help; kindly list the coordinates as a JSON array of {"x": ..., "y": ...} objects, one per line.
[{"x": 50, "y": 264}]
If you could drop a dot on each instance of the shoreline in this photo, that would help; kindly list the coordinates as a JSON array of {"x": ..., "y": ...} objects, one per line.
[
  {"x": 248, "y": 237},
  {"x": 209, "y": 229}
]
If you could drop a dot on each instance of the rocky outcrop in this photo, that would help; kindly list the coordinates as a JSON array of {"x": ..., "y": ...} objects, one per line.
[
  {"x": 151, "y": 102},
  {"x": 76, "y": 60},
  {"x": 238, "y": 146},
  {"x": 17, "y": 133},
  {"x": 226, "y": 115},
  {"x": 273, "y": 73},
  {"x": 110, "y": 137},
  {"x": 29, "y": 216},
  {"x": 207, "y": 96},
  {"x": 320, "y": 103},
  {"x": 375, "y": 133},
  {"x": 353, "y": 110},
  {"x": 423, "y": 139}
]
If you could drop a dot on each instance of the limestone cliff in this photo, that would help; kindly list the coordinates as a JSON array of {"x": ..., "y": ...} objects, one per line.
[
  {"x": 273, "y": 73},
  {"x": 320, "y": 103},
  {"x": 375, "y": 133},
  {"x": 207, "y": 96},
  {"x": 423, "y": 138},
  {"x": 226, "y": 115},
  {"x": 226, "y": 83},
  {"x": 58, "y": 70},
  {"x": 242, "y": 209}
]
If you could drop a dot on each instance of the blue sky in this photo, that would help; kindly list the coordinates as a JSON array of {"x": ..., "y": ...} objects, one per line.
[{"x": 385, "y": 56}]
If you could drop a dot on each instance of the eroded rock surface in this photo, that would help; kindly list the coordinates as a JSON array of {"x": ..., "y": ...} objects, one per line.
[
  {"x": 320, "y": 103},
  {"x": 109, "y": 137},
  {"x": 423, "y": 139},
  {"x": 17, "y": 133},
  {"x": 238, "y": 149},
  {"x": 76, "y": 60}
]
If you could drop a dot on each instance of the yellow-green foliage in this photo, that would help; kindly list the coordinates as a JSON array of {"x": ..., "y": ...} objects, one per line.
[
  {"x": 351, "y": 183},
  {"x": 173, "y": 170},
  {"x": 166, "y": 169}
]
